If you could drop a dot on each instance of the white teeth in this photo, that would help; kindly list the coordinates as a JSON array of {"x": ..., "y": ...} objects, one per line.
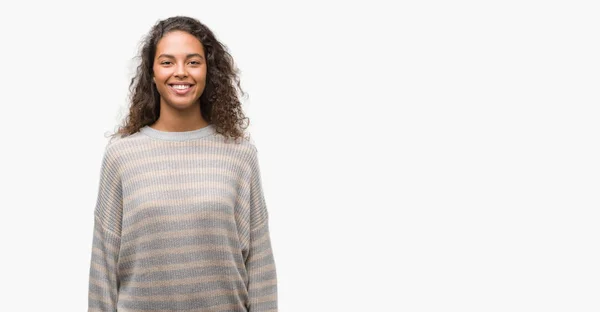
[{"x": 181, "y": 87}]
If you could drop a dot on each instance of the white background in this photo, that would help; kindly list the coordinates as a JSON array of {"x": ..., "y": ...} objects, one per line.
[{"x": 416, "y": 156}]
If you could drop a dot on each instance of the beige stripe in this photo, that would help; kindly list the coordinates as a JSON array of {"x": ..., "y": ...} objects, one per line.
[
  {"x": 104, "y": 270},
  {"x": 259, "y": 256},
  {"x": 102, "y": 284},
  {"x": 147, "y": 162},
  {"x": 195, "y": 201},
  {"x": 178, "y": 233},
  {"x": 179, "y": 297},
  {"x": 100, "y": 298},
  {"x": 193, "y": 216},
  {"x": 267, "y": 298},
  {"x": 159, "y": 145},
  {"x": 265, "y": 284},
  {"x": 184, "y": 281},
  {"x": 260, "y": 226},
  {"x": 101, "y": 268},
  {"x": 257, "y": 241},
  {"x": 208, "y": 186},
  {"x": 186, "y": 171},
  {"x": 259, "y": 271},
  {"x": 138, "y": 270},
  {"x": 172, "y": 251},
  {"x": 217, "y": 308}
]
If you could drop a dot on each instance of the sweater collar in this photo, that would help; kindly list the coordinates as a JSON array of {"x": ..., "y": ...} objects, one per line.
[{"x": 178, "y": 135}]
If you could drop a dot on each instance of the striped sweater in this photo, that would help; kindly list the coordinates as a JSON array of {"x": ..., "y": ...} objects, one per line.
[{"x": 181, "y": 224}]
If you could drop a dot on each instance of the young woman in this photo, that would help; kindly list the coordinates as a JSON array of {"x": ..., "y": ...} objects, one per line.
[{"x": 181, "y": 221}]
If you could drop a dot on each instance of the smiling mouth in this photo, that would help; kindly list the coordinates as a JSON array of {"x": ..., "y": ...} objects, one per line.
[{"x": 180, "y": 89}]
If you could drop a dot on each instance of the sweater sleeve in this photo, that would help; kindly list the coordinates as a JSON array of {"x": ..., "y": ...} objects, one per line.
[
  {"x": 103, "y": 278},
  {"x": 260, "y": 264}
]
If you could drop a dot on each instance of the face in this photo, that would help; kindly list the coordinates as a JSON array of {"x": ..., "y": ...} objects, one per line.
[{"x": 179, "y": 70}]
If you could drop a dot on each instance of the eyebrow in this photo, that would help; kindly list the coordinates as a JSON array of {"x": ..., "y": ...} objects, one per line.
[{"x": 188, "y": 56}]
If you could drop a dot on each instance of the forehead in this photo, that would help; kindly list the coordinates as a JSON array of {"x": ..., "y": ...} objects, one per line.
[{"x": 179, "y": 43}]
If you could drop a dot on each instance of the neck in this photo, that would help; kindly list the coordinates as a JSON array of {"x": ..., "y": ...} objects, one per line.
[{"x": 174, "y": 120}]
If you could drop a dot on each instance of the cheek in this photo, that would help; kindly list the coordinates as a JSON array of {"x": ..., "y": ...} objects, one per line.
[
  {"x": 199, "y": 75},
  {"x": 160, "y": 76},
  {"x": 159, "y": 81}
]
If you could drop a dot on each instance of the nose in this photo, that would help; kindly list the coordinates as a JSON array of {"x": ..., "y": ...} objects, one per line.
[{"x": 180, "y": 71}]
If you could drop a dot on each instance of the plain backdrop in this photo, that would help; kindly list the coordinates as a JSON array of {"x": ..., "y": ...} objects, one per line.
[{"x": 415, "y": 155}]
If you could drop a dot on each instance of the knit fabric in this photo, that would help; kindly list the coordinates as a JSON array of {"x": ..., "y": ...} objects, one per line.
[{"x": 181, "y": 224}]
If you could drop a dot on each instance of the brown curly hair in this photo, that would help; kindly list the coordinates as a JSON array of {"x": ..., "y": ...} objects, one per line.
[{"x": 219, "y": 102}]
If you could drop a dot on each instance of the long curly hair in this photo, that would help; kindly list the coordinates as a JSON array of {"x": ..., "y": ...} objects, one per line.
[{"x": 219, "y": 103}]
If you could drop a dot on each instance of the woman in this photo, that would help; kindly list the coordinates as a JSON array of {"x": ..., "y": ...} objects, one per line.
[{"x": 181, "y": 221}]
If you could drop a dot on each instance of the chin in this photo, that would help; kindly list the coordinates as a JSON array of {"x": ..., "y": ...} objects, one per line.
[{"x": 182, "y": 105}]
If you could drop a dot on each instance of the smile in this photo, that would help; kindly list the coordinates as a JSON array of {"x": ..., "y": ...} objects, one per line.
[{"x": 180, "y": 89}]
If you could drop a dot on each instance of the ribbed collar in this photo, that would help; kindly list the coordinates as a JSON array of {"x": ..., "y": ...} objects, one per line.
[{"x": 178, "y": 135}]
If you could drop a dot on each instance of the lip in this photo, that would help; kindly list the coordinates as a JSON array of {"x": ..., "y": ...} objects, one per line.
[{"x": 181, "y": 92}]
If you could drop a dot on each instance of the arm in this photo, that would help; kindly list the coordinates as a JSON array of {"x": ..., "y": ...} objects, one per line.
[
  {"x": 103, "y": 279},
  {"x": 260, "y": 264}
]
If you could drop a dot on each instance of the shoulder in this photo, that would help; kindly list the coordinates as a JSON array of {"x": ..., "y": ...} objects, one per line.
[
  {"x": 118, "y": 143},
  {"x": 250, "y": 159},
  {"x": 113, "y": 145},
  {"x": 243, "y": 148},
  {"x": 250, "y": 149},
  {"x": 113, "y": 148},
  {"x": 249, "y": 145}
]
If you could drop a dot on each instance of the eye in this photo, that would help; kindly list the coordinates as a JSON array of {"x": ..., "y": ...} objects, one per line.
[
  {"x": 165, "y": 63},
  {"x": 195, "y": 63}
]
